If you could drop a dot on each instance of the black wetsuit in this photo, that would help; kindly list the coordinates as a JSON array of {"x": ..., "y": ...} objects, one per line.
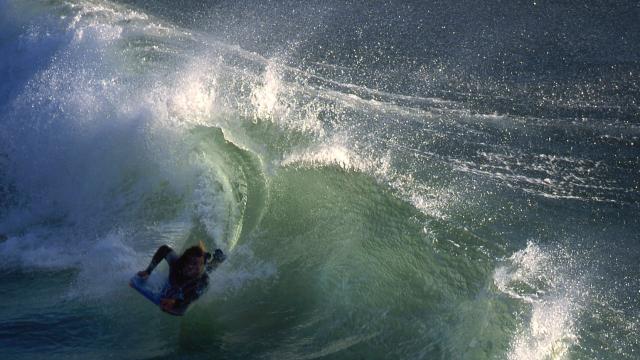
[{"x": 183, "y": 289}]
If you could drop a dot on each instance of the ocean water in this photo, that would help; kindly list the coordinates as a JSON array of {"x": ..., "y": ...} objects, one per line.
[{"x": 390, "y": 179}]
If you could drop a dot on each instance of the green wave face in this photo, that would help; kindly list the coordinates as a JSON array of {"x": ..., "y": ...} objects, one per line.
[
  {"x": 355, "y": 272},
  {"x": 237, "y": 176}
]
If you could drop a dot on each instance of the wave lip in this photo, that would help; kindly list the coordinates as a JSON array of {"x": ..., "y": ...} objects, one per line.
[{"x": 553, "y": 299}]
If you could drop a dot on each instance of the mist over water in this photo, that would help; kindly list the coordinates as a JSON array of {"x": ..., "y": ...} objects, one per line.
[{"x": 389, "y": 179}]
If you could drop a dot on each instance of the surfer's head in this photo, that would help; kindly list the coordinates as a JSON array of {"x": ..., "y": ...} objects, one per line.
[{"x": 192, "y": 261}]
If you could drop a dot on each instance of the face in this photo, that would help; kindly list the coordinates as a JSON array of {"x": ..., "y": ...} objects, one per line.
[{"x": 194, "y": 266}]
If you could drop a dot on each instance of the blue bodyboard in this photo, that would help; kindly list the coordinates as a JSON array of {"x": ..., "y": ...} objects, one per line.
[
  {"x": 146, "y": 289},
  {"x": 152, "y": 291}
]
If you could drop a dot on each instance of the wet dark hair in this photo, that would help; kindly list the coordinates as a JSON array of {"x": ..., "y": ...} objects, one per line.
[{"x": 192, "y": 252}]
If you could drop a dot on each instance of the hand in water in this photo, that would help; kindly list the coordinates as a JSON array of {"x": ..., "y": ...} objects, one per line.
[{"x": 143, "y": 274}]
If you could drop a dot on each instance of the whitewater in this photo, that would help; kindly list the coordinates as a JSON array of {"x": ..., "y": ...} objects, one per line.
[{"x": 389, "y": 180}]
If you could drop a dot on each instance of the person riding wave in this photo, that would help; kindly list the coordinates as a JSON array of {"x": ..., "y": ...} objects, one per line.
[{"x": 188, "y": 276}]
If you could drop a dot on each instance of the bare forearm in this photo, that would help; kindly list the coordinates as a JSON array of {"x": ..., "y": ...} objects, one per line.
[{"x": 163, "y": 252}]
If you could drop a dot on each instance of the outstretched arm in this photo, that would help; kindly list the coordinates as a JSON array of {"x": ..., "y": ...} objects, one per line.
[{"x": 163, "y": 252}]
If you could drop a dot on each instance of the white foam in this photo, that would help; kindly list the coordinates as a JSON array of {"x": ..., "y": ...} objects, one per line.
[
  {"x": 430, "y": 201},
  {"x": 39, "y": 249},
  {"x": 275, "y": 101},
  {"x": 540, "y": 280},
  {"x": 265, "y": 97},
  {"x": 328, "y": 154},
  {"x": 193, "y": 99},
  {"x": 88, "y": 141},
  {"x": 213, "y": 206},
  {"x": 239, "y": 271},
  {"x": 106, "y": 266},
  {"x": 550, "y": 333}
]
